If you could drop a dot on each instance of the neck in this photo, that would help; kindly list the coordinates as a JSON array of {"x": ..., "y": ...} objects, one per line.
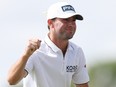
[{"x": 61, "y": 44}]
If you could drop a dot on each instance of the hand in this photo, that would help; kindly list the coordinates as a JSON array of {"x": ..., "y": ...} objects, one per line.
[{"x": 32, "y": 46}]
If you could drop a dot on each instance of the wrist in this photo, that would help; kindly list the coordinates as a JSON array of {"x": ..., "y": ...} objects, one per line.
[{"x": 25, "y": 56}]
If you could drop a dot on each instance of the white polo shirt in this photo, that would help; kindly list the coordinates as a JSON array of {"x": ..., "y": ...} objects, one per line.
[{"x": 47, "y": 67}]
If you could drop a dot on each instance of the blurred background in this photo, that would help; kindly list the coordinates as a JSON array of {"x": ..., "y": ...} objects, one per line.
[{"x": 96, "y": 34}]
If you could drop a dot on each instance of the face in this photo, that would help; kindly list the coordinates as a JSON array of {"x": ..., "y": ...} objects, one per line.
[{"x": 64, "y": 28}]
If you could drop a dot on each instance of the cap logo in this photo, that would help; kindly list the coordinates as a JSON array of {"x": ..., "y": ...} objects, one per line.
[{"x": 68, "y": 8}]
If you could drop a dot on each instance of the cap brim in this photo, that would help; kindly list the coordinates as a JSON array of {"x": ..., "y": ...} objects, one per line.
[{"x": 79, "y": 17}]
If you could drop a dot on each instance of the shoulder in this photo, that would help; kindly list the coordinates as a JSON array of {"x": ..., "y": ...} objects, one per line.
[
  {"x": 75, "y": 46},
  {"x": 76, "y": 50}
]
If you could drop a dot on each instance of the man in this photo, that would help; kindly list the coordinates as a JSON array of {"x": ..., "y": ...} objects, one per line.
[{"x": 55, "y": 61}]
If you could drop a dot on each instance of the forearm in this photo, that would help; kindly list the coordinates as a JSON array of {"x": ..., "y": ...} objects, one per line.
[{"x": 17, "y": 72}]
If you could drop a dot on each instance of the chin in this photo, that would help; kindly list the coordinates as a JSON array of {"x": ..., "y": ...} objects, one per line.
[{"x": 68, "y": 38}]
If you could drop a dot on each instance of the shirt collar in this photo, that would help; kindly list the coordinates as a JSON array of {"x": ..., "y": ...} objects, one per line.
[
  {"x": 51, "y": 44},
  {"x": 54, "y": 47}
]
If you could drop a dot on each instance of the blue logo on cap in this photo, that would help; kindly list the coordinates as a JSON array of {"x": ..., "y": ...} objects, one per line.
[{"x": 68, "y": 8}]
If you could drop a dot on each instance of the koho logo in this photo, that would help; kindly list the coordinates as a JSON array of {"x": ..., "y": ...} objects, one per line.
[{"x": 71, "y": 68}]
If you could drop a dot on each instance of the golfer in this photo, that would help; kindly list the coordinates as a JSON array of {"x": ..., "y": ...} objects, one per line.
[{"x": 54, "y": 61}]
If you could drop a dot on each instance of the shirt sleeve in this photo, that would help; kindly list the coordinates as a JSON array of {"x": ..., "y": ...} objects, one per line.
[
  {"x": 29, "y": 81},
  {"x": 29, "y": 65},
  {"x": 81, "y": 75}
]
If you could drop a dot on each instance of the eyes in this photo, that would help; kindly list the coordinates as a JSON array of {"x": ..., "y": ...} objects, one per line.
[
  {"x": 65, "y": 20},
  {"x": 69, "y": 20}
]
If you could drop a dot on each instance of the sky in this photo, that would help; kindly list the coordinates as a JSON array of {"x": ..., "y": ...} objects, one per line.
[{"x": 21, "y": 20}]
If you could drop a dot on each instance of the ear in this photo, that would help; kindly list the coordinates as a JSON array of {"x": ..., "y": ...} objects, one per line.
[{"x": 50, "y": 23}]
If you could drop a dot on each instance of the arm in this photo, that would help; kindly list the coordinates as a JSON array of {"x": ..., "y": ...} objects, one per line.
[
  {"x": 82, "y": 85},
  {"x": 17, "y": 71}
]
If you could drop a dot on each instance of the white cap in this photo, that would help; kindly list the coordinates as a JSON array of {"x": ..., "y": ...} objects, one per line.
[{"x": 62, "y": 10}]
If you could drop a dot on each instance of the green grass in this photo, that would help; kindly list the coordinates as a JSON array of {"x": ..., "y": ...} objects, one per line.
[{"x": 103, "y": 75}]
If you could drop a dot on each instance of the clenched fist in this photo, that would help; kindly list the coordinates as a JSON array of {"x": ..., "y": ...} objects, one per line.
[{"x": 32, "y": 46}]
